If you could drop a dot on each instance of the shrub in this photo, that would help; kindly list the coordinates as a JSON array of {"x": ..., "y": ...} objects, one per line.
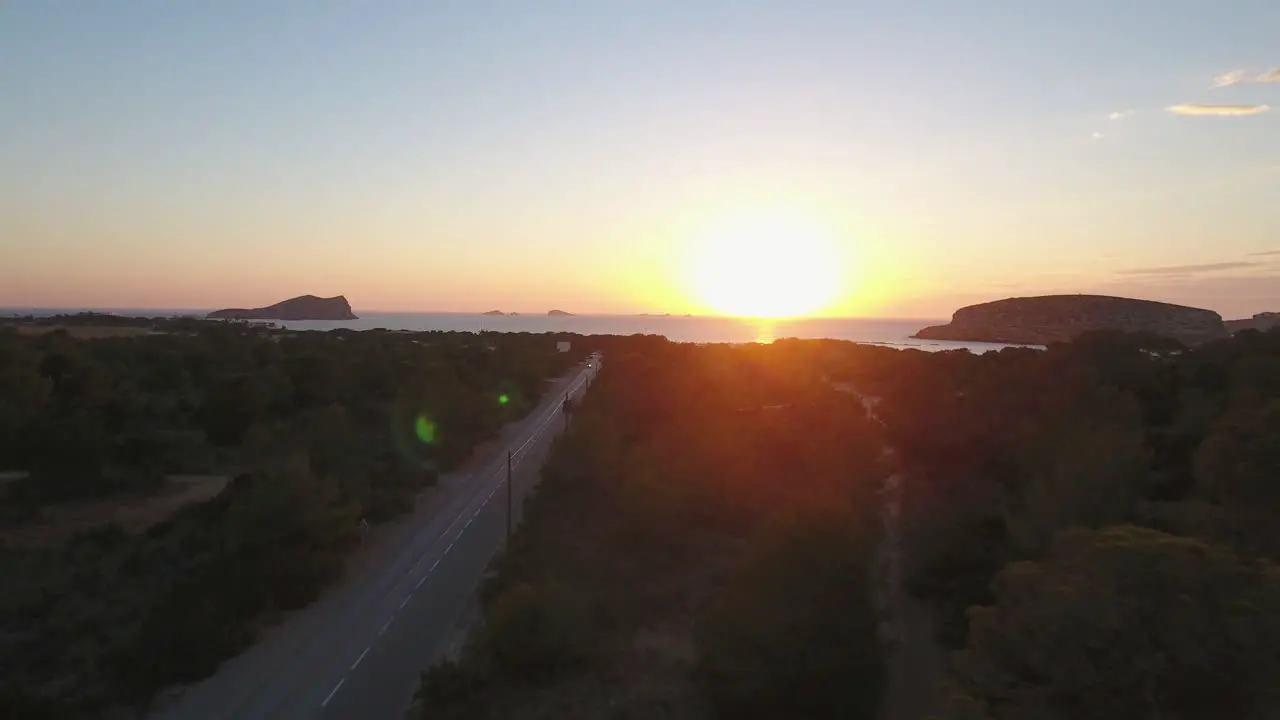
[
  {"x": 533, "y": 632},
  {"x": 793, "y": 635}
]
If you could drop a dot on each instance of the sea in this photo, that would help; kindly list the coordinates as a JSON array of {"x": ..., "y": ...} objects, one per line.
[{"x": 891, "y": 332}]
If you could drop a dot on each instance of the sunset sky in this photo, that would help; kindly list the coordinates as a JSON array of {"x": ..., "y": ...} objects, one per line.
[{"x": 463, "y": 156}]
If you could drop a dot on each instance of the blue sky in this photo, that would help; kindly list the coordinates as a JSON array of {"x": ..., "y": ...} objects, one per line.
[{"x": 468, "y": 155}]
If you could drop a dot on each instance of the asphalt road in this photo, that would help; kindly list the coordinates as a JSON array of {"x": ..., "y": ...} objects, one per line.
[{"x": 358, "y": 651}]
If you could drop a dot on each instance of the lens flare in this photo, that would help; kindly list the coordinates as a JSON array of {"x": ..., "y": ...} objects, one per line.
[
  {"x": 424, "y": 429},
  {"x": 503, "y": 399}
]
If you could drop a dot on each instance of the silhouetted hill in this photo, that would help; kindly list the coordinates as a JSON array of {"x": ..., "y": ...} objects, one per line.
[
  {"x": 1059, "y": 318},
  {"x": 307, "y": 307},
  {"x": 560, "y": 313},
  {"x": 1262, "y": 321},
  {"x": 495, "y": 312}
]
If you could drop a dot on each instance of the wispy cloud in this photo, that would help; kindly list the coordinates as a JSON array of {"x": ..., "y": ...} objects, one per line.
[
  {"x": 1188, "y": 269},
  {"x": 1121, "y": 114},
  {"x": 1097, "y": 135},
  {"x": 1217, "y": 110},
  {"x": 1265, "y": 253},
  {"x": 1244, "y": 77},
  {"x": 1235, "y": 77}
]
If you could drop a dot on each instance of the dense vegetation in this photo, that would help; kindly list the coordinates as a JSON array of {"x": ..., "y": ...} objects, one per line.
[
  {"x": 1097, "y": 522},
  {"x": 699, "y": 546},
  {"x": 317, "y": 430}
]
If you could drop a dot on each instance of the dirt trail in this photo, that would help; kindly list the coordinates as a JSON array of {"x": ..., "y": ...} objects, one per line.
[
  {"x": 916, "y": 663},
  {"x": 55, "y": 524}
]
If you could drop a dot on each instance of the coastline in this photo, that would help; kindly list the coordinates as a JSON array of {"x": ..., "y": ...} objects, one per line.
[{"x": 885, "y": 332}]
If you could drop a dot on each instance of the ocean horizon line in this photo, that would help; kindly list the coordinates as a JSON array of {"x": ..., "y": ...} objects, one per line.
[{"x": 17, "y": 309}]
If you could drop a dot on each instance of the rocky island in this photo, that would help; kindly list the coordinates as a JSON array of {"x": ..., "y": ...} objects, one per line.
[
  {"x": 1059, "y": 318},
  {"x": 307, "y": 307},
  {"x": 559, "y": 313},
  {"x": 495, "y": 313}
]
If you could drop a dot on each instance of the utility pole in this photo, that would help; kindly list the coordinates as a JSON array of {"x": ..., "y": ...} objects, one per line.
[{"x": 508, "y": 497}]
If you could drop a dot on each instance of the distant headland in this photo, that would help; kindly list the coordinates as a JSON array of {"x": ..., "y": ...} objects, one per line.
[
  {"x": 559, "y": 313},
  {"x": 1059, "y": 318},
  {"x": 1262, "y": 322},
  {"x": 306, "y": 307}
]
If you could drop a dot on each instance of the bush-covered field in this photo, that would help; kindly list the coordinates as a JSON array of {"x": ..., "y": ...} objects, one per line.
[
  {"x": 699, "y": 546},
  {"x": 316, "y": 430},
  {"x": 1097, "y": 522}
]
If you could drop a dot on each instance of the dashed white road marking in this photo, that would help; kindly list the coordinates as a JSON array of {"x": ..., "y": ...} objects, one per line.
[
  {"x": 332, "y": 692},
  {"x": 515, "y": 460}
]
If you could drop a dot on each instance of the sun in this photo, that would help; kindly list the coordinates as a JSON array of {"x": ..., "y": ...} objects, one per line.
[{"x": 766, "y": 266}]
